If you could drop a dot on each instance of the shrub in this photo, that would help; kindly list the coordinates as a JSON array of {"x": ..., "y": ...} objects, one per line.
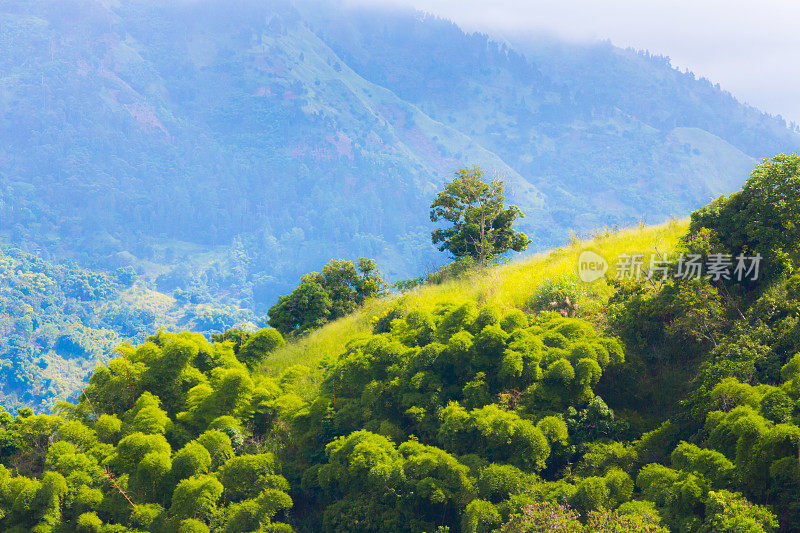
[{"x": 561, "y": 295}]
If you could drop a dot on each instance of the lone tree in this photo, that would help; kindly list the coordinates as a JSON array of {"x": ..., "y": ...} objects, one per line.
[{"x": 480, "y": 222}]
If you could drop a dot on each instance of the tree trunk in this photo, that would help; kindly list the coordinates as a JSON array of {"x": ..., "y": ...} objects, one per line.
[{"x": 482, "y": 252}]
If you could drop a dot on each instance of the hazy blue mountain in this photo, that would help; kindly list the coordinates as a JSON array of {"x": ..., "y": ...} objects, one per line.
[
  {"x": 230, "y": 146},
  {"x": 58, "y": 320}
]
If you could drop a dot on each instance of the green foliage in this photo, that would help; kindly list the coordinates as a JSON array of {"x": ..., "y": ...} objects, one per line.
[
  {"x": 601, "y": 456},
  {"x": 480, "y": 517},
  {"x": 560, "y": 295},
  {"x": 679, "y": 495},
  {"x": 133, "y": 448},
  {"x": 60, "y": 320},
  {"x": 146, "y": 416},
  {"x": 192, "y": 525},
  {"x": 514, "y": 320},
  {"x": 246, "y": 476},
  {"x": 553, "y": 518},
  {"x": 480, "y": 221},
  {"x": 458, "y": 414},
  {"x": 338, "y": 291},
  {"x": 259, "y": 345},
  {"x": 762, "y": 218},
  {"x": 654, "y": 446},
  {"x": 498, "y": 435},
  {"x": 218, "y": 445},
  {"x": 661, "y": 323},
  {"x": 731, "y": 512},
  {"x": 324, "y": 162},
  {"x": 411, "y": 486},
  {"x": 196, "y": 497},
  {"x": 108, "y": 428},
  {"x": 728, "y": 348},
  {"x": 306, "y": 308},
  {"x": 554, "y": 429},
  {"x": 712, "y": 465},
  {"x": 191, "y": 460},
  {"x": 596, "y": 422},
  {"x": 135, "y": 463}
]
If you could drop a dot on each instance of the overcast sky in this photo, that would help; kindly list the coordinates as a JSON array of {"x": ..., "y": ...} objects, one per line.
[{"x": 751, "y": 48}]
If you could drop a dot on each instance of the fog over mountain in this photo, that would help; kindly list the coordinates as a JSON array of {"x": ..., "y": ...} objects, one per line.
[
  {"x": 230, "y": 147},
  {"x": 745, "y": 46},
  {"x": 242, "y": 144}
]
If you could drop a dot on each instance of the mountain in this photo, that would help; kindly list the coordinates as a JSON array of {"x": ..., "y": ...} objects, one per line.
[
  {"x": 177, "y": 165},
  {"x": 233, "y": 146},
  {"x": 220, "y": 150},
  {"x": 58, "y": 321}
]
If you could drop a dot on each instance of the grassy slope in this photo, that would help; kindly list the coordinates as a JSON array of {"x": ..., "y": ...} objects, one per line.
[{"x": 508, "y": 286}]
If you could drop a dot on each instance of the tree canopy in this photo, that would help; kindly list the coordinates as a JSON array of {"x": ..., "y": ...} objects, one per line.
[
  {"x": 480, "y": 222},
  {"x": 337, "y": 291}
]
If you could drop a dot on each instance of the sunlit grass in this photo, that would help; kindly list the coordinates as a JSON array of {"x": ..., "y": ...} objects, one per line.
[
  {"x": 507, "y": 286},
  {"x": 329, "y": 340}
]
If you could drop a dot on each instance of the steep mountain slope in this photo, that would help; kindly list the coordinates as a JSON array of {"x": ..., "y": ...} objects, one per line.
[
  {"x": 601, "y": 131},
  {"x": 650, "y": 396},
  {"x": 232, "y": 146}
]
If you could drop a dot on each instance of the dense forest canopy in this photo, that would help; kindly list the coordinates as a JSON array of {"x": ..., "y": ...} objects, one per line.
[{"x": 647, "y": 404}]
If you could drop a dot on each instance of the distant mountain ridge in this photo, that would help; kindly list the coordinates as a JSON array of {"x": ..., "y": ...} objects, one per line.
[{"x": 229, "y": 147}]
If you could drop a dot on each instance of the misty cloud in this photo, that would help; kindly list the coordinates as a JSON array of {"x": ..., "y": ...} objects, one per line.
[{"x": 751, "y": 48}]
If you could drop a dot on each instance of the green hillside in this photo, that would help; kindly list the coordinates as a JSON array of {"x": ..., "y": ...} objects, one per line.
[
  {"x": 285, "y": 386},
  {"x": 176, "y": 166},
  {"x": 508, "y": 287},
  {"x": 564, "y": 392}
]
